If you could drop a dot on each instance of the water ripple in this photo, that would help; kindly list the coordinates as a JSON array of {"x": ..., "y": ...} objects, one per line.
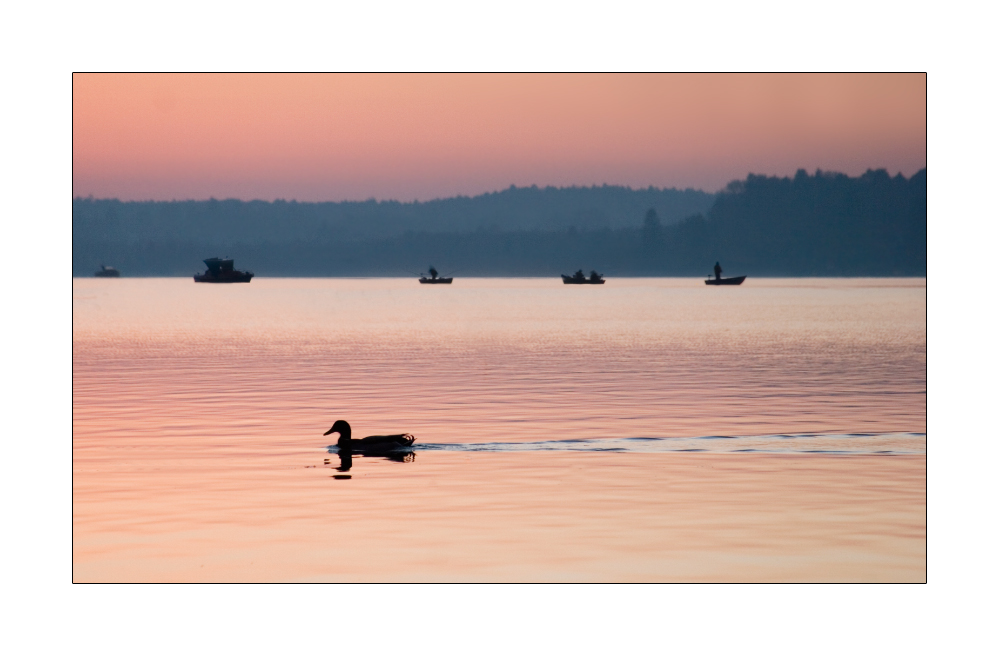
[{"x": 835, "y": 443}]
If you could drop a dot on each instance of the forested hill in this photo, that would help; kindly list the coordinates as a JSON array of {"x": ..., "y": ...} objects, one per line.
[
  {"x": 252, "y": 222},
  {"x": 825, "y": 224}
]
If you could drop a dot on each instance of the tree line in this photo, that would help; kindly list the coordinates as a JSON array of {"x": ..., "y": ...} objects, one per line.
[
  {"x": 825, "y": 224},
  {"x": 513, "y": 209}
]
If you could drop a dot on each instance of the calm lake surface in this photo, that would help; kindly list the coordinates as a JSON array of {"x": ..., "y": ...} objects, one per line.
[{"x": 643, "y": 430}]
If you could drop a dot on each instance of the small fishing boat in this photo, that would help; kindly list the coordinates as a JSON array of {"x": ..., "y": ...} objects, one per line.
[
  {"x": 107, "y": 272},
  {"x": 220, "y": 270},
  {"x": 434, "y": 280},
  {"x": 735, "y": 280},
  {"x": 579, "y": 279}
]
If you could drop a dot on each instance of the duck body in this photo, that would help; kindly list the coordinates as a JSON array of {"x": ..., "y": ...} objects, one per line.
[{"x": 369, "y": 443}]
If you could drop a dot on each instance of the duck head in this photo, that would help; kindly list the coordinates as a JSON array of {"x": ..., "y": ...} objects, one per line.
[{"x": 343, "y": 428}]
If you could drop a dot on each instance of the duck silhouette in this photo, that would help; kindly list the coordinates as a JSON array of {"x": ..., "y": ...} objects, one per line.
[{"x": 370, "y": 443}]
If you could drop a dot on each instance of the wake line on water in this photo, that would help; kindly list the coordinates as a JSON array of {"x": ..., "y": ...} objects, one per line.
[{"x": 841, "y": 443}]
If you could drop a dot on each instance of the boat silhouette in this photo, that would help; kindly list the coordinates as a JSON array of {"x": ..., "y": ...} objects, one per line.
[
  {"x": 107, "y": 272},
  {"x": 434, "y": 278},
  {"x": 580, "y": 279},
  {"x": 735, "y": 280},
  {"x": 220, "y": 270}
]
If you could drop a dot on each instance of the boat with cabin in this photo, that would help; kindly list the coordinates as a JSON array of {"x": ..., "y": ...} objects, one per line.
[
  {"x": 221, "y": 270},
  {"x": 107, "y": 272},
  {"x": 580, "y": 279}
]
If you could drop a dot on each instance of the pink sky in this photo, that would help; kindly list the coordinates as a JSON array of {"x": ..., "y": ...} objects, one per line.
[{"x": 332, "y": 137}]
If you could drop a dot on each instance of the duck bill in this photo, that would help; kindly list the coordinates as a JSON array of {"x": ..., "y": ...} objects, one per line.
[{"x": 329, "y": 432}]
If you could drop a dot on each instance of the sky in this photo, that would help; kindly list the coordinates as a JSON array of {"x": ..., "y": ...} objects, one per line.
[{"x": 335, "y": 137}]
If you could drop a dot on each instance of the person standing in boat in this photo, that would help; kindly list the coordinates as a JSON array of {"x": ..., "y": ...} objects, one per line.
[{"x": 718, "y": 271}]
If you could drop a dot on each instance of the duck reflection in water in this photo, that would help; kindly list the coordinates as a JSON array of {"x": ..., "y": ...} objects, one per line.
[
  {"x": 396, "y": 447},
  {"x": 347, "y": 456}
]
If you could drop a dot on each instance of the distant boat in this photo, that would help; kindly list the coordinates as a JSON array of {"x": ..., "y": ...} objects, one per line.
[
  {"x": 433, "y": 280},
  {"x": 579, "y": 279},
  {"x": 735, "y": 280},
  {"x": 220, "y": 270},
  {"x": 107, "y": 272}
]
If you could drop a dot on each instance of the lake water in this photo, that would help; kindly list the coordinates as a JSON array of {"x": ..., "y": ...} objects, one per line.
[{"x": 643, "y": 430}]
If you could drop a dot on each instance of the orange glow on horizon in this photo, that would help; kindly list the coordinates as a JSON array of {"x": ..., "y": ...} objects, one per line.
[{"x": 331, "y": 137}]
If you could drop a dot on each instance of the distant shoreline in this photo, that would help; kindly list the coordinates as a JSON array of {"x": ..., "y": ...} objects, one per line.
[
  {"x": 556, "y": 277},
  {"x": 824, "y": 224}
]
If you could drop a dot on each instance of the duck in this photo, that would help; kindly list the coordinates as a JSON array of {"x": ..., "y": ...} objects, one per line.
[{"x": 370, "y": 443}]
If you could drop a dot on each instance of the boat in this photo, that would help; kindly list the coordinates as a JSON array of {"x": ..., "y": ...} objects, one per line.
[
  {"x": 107, "y": 272},
  {"x": 735, "y": 280},
  {"x": 579, "y": 279},
  {"x": 434, "y": 279},
  {"x": 220, "y": 270}
]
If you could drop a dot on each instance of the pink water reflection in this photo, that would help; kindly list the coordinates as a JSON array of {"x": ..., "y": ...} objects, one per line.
[{"x": 198, "y": 409}]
